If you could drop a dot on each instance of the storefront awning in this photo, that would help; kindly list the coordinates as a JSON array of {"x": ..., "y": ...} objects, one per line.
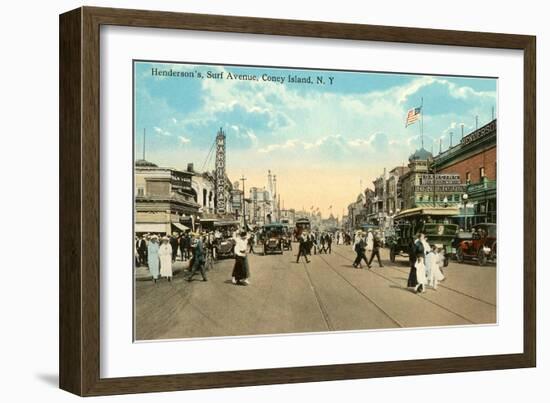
[
  {"x": 150, "y": 227},
  {"x": 181, "y": 227}
]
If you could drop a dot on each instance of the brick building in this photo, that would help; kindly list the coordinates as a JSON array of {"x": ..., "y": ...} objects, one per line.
[{"x": 474, "y": 159}]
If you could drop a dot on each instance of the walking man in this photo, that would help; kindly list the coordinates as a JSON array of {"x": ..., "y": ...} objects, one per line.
[
  {"x": 303, "y": 248},
  {"x": 198, "y": 259},
  {"x": 360, "y": 251},
  {"x": 251, "y": 243},
  {"x": 376, "y": 243},
  {"x": 328, "y": 241}
]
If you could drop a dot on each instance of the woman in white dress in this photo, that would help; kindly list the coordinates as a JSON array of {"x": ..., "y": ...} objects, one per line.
[
  {"x": 420, "y": 274},
  {"x": 434, "y": 272},
  {"x": 370, "y": 242},
  {"x": 165, "y": 257}
]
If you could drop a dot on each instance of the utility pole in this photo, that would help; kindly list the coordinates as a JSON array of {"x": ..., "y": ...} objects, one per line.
[
  {"x": 244, "y": 203},
  {"x": 451, "y": 142},
  {"x": 143, "y": 157}
]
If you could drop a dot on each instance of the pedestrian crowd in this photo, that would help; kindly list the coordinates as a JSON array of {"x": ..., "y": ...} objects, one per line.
[
  {"x": 158, "y": 253},
  {"x": 316, "y": 243},
  {"x": 366, "y": 243}
]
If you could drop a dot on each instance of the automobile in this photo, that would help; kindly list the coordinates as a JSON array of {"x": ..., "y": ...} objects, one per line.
[
  {"x": 273, "y": 238},
  {"x": 434, "y": 222},
  {"x": 287, "y": 238},
  {"x": 224, "y": 244},
  {"x": 481, "y": 246},
  {"x": 461, "y": 235}
]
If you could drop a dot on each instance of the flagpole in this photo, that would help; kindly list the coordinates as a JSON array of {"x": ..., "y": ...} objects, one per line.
[{"x": 422, "y": 120}]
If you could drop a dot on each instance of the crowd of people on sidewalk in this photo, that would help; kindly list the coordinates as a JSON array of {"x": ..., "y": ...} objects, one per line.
[{"x": 158, "y": 253}]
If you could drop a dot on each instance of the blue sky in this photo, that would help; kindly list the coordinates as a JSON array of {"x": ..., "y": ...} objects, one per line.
[{"x": 348, "y": 131}]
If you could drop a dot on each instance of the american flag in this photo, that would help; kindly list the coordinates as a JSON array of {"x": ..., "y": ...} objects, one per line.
[{"x": 413, "y": 115}]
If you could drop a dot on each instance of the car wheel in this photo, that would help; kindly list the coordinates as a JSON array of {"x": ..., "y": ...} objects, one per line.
[
  {"x": 481, "y": 257},
  {"x": 459, "y": 255}
]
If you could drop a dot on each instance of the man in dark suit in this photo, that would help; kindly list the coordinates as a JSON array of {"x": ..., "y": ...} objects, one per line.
[
  {"x": 184, "y": 244},
  {"x": 328, "y": 242},
  {"x": 141, "y": 247},
  {"x": 376, "y": 244},
  {"x": 198, "y": 259},
  {"x": 360, "y": 251},
  {"x": 174, "y": 245},
  {"x": 303, "y": 250}
]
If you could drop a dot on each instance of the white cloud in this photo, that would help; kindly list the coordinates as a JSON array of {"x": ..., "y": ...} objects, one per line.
[
  {"x": 184, "y": 140},
  {"x": 284, "y": 146},
  {"x": 161, "y": 132}
]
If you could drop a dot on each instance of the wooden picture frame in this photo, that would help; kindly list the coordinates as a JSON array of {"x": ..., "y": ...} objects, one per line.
[{"x": 79, "y": 348}]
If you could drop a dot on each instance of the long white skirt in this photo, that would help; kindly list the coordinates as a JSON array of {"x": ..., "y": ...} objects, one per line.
[
  {"x": 166, "y": 266},
  {"x": 420, "y": 273},
  {"x": 435, "y": 274}
]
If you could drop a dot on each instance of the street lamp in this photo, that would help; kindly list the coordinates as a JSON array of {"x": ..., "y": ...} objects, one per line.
[{"x": 465, "y": 200}]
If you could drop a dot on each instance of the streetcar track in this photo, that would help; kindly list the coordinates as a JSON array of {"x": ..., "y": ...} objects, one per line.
[
  {"x": 322, "y": 307},
  {"x": 419, "y": 295},
  {"x": 362, "y": 293},
  {"x": 452, "y": 289},
  {"x": 440, "y": 285}
]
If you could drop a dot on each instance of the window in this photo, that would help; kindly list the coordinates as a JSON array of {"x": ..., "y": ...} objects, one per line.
[
  {"x": 468, "y": 177},
  {"x": 481, "y": 173},
  {"x": 140, "y": 191}
]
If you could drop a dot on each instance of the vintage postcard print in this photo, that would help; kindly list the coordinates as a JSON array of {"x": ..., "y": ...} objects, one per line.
[{"x": 274, "y": 200}]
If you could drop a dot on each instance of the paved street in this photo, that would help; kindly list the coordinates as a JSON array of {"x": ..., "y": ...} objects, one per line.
[{"x": 326, "y": 294}]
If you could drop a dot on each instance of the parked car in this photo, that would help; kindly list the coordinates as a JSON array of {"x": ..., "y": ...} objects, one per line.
[{"x": 482, "y": 245}]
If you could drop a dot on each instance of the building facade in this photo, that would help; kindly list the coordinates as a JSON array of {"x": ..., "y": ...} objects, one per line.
[
  {"x": 357, "y": 213},
  {"x": 165, "y": 201},
  {"x": 421, "y": 186},
  {"x": 260, "y": 205},
  {"x": 288, "y": 216},
  {"x": 474, "y": 161}
]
